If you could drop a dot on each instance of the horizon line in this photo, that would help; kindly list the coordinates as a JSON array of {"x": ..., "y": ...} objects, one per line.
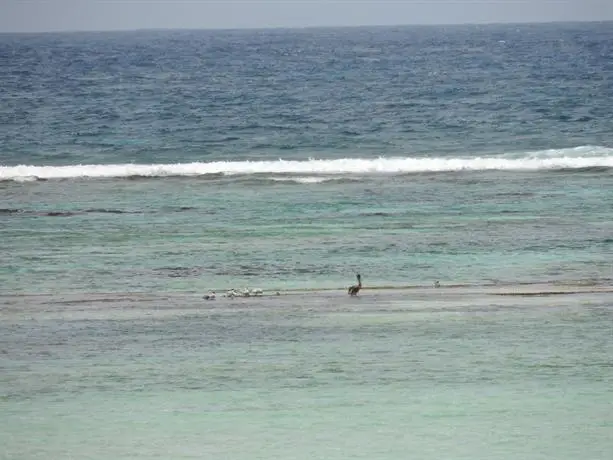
[{"x": 306, "y": 27}]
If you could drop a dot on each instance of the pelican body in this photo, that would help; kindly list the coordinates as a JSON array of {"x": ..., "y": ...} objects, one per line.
[{"x": 353, "y": 290}]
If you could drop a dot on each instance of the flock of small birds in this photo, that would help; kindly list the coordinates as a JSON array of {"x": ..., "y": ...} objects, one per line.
[{"x": 245, "y": 292}]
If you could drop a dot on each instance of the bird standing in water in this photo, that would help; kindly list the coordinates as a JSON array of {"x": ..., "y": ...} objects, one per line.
[{"x": 353, "y": 290}]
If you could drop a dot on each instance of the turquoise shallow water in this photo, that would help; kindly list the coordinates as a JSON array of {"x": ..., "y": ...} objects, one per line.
[
  {"x": 140, "y": 170},
  {"x": 451, "y": 373},
  {"x": 201, "y": 234}
]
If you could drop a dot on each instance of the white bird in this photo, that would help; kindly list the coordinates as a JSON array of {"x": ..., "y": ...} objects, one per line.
[{"x": 210, "y": 296}]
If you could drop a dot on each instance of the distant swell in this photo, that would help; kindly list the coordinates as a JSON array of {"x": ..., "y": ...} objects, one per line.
[{"x": 581, "y": 158}]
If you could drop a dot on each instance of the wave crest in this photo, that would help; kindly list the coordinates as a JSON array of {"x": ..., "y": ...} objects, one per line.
[{"x": 586, "y": 158}]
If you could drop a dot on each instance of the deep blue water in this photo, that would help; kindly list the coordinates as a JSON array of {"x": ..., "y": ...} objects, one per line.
[{"x": 182, "y": 96}]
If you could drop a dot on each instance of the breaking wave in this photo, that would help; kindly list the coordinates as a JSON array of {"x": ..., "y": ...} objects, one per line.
[{"x": 587, "y": 157}]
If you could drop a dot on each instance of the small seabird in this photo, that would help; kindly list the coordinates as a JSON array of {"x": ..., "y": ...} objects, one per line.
[
  {"x": 257, "y": 291},
  {"x": 353, "y": 290},
  {"x": 437, "y": 284},
  {"x": 210, "y": 296}
]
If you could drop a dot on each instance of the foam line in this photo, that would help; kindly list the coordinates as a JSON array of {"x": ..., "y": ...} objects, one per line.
[{"x": 577, "y": 158}]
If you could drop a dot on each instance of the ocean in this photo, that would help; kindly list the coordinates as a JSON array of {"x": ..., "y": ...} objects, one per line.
[{"x": 466, "y": 172}]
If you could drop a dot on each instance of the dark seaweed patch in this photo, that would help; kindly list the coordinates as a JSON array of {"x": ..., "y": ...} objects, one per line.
[
  {"x": 59, "y": 214},
  {"x": 376, "y": 214},
  {"x": 178, "y": 272},
  {"x": 9, "y": 211},
  {"x": 108, "y": 211}
]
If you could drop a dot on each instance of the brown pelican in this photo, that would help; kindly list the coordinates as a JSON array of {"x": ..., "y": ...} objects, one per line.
[{"x": 353, "y": 290}]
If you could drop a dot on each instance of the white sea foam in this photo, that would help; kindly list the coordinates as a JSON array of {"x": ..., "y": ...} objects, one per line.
[
  {"x": 24, "y": 178},
  {"x": 301, "y": 179},
  {"x": 581, "y": 157}
]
